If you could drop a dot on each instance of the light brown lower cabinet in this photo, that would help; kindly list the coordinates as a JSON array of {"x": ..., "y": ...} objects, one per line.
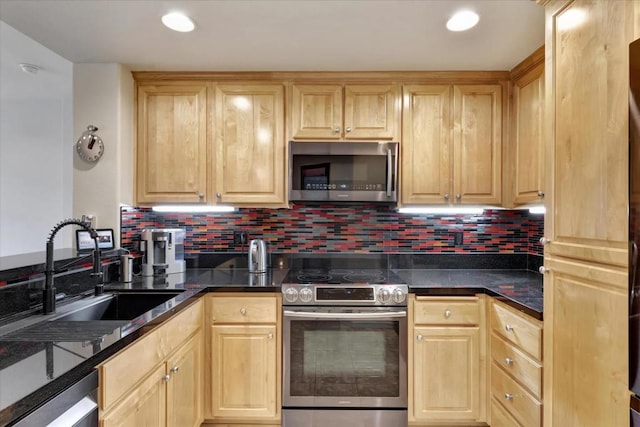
[
  {"x": 447, "y": 361},
  {"x": 243, "y": 359},
  {"x": 169, "y": 393},
  {"x": 516, "y": 367}
]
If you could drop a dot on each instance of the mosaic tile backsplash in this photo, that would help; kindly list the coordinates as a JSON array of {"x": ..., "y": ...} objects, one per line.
[{"x": 333, "y": 228}]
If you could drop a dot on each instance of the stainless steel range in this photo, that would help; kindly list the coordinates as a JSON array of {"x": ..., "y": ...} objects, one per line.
[{"x": 345, "y": 348}]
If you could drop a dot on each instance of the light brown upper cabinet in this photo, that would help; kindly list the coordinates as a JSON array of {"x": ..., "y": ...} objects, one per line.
[
  {"x": 452, "y": 144},
  {"x": 250, "y": 144},
  {"x": 171, "y": 138},
  {"x": 348, "y": 112},
  {"x": 526, "y": 129}
]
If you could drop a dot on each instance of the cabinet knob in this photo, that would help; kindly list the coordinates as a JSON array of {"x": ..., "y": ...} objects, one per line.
[
  {"x": 348, "y": 129},
  {"x": 175, "y": 369},
  {"x": 243, "y": 311},
  {"x": 270, "y": 335},
  {"x": 447, "y": 196},
  {"x": 458, "y": 197},
  {"x": 542, "y": 269},
  {"x": 201, "y": 195},
  {"x": 508, "y": 328},
  {"x": 508, "y": 396},
  {"x": 508, "y": 361},
  {"x": 419, "y": 337},
  {"x": 166, "y": 378},
  {"x": 336, "y": 129},
  {"x": 218, "y": 195},
  {"x": 544, "y": 241},
  {"x": 447, "y": 313},
  {"x": 540, "y": 193}
]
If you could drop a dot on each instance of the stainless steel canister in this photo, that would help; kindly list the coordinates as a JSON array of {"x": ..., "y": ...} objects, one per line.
[{"x": 126, "y": 268}]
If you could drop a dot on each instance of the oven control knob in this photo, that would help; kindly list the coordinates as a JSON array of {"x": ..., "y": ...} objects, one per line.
[
  {"x": 306, "y": 294},
  {"x": 291, "y": 295},
  {"x": 384, "y": 296},
  {"x": 399, "y": 296}
]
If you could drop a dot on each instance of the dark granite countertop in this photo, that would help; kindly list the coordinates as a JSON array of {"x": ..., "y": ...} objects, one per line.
[
  {"x": 521, "y": 289},
  {"x": 43, "y": 369}
]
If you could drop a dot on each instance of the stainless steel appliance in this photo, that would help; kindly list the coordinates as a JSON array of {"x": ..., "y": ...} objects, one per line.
[
  {"x": 257, "y": 256},
  {"x": 634, "y": 231},
  {"x": 343, "y": 171},
  {"x": 163, "y": 250},
  {"x": 344, "y": 348},
  {"x": 74, "y": 407}
]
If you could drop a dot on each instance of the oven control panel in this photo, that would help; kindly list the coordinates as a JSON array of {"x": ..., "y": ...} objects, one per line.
[{"x": 305, "y": 294}]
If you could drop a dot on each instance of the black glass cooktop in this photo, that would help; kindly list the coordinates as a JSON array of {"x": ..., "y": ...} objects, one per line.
[{"x": 342, "y": 277}]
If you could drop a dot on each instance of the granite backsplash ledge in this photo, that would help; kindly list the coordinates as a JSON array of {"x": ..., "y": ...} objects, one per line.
[{"x": 21, "y": 287}]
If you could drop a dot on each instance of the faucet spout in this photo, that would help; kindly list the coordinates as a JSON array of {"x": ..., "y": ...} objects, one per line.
[{"x": 49, "y": 292}]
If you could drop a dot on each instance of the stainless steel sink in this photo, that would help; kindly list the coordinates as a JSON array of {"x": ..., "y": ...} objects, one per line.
[
  {"x": 121, "y": 306},
  {"x": 87, "y": 320}
]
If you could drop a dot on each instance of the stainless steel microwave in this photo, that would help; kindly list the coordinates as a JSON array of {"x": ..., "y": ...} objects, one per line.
[{"x": 343, "y": 171}]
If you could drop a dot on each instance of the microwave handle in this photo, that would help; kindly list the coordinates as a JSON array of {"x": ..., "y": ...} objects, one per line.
[{"x": 389, "y": 172}]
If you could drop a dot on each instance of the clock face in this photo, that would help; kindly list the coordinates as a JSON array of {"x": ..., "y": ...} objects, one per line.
[{"x": 90, "y": 147}]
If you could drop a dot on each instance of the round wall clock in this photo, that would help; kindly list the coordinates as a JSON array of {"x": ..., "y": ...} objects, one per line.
[{"x": 90, "y": 146}]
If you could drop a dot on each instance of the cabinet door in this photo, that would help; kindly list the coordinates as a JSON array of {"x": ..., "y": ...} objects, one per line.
[
  {"x": 446, "y": 374},
  {"x": 144, "y": 406},
  {"x": 586, "y": 287},
  {"x": 528, "y": 100},
  {"x": 171, "y": 138},
  {"x": 426, "y": 147},
  {"x": 371, "y": 112},
  {"x": 244, "y": 384},
  {"x": 477, "y": 144},
  {"x": 317, "y": 112},
  {"x": 250, "y": 146},
  {"x": 184, "y": 390}
]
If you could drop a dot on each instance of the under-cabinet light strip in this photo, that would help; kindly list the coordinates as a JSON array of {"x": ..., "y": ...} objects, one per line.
[
  {"x": 441, "y": 210},
  {"x": 193, "y": 208}
]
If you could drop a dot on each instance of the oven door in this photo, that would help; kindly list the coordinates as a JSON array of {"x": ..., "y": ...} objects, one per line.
[{"x": 351, "y": 357}]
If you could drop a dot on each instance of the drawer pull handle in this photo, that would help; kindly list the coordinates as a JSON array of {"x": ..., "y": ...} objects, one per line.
[
  {"x": 419, "y": 337},
  {"x": 508, "y": 396},
  {"x": 175, "y": 369},
  {"x": 243, "y": 311},
  {"x": 508, "y": 361},
  {"x": 447, "y": 313},
  {"x": 166, "y": 378},
  {"x": 508, "y": 328}
]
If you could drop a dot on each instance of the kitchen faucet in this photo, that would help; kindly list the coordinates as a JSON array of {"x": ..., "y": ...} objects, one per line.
[{"x": 49, "y": 292}]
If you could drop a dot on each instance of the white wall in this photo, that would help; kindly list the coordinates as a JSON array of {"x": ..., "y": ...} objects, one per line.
[
  {"x": 42, "y": 180},
  {"x": 103, "y": 97},
  {"x": 36, "y": 145}
]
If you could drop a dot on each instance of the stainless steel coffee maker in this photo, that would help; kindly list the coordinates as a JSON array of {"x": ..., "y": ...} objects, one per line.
[{"x": 163, "y": 251}]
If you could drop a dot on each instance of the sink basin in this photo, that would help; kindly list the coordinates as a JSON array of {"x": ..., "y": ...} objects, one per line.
[{"x": 120, "y": 306}]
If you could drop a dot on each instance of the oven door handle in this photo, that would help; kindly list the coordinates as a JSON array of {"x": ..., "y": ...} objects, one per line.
[{"x": 347, "y": 316}]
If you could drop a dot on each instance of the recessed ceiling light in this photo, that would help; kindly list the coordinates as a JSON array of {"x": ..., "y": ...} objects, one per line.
[
  {"x": 178, "y": 22},
  {"x": 462, "y": 20}
]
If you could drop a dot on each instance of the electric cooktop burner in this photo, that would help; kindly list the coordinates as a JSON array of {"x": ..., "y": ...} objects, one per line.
[{"x": 341, "y": 276}]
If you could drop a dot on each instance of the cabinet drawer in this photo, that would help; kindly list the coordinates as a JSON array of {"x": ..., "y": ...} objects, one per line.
[
  {"x": 517, "y": 401},
  {"x": 500, "y": 417},
  {"x": 243, "y": 309},
  {"x": 461, "y": 311},
  {"x": 527, "y": 371},
  {"x": 517, "y": 329},
  {"x": 126, "y": 368}
]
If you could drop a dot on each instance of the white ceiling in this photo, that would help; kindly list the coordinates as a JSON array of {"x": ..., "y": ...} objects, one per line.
[{"x": 283, "y": 35}]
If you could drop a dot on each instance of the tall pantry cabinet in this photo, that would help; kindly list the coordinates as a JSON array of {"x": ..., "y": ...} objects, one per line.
[{"x": 585, "y": 284}]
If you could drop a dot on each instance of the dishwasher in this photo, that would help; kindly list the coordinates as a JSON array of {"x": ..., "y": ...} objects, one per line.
[{"x": 74, "y": 407}]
